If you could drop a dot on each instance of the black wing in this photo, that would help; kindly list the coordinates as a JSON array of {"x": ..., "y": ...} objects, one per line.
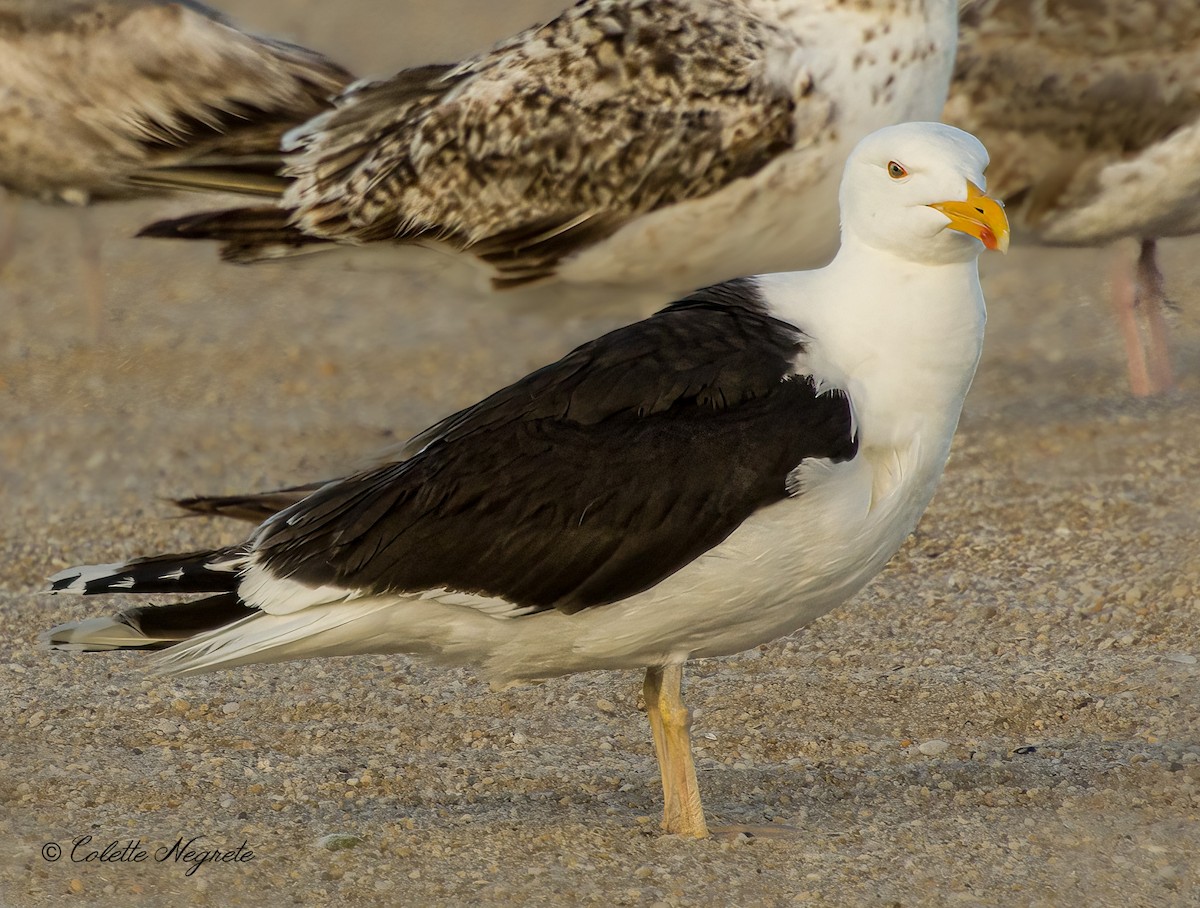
[{"x": 589, "y": 480}]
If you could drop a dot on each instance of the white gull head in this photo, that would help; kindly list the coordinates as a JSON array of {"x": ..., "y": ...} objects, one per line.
[{"x": 917, "y": 191}]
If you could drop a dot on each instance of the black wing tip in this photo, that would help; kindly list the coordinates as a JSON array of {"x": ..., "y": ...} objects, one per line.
[
  {"x": 254, "y": 508},
  {"x": 86, "y": 580},
  {"x": 169, "y": 228},
  {"x": 248, "y": 508},
  {"x": 226, "y": 223},
  {"x": 247, "y": 235},
  {"x": 61, "y": 582}
]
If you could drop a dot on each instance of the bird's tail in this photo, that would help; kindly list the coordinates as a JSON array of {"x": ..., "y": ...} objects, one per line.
[
  {"x": 246, "y": 234},
  {"x": 221, "y": 631},
  {"x": 153, "y": 626},
  {"x": 149, "y": 626}
]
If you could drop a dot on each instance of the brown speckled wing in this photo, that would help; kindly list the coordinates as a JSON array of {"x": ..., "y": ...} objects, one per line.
[
  {"x": 552, "y": 140},
  {"x": 96, "y": 91}
]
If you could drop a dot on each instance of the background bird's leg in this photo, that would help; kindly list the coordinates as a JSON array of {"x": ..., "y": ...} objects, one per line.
[
  {"x": 92, "y": 276},
  {"x": 671, "y": 724},
  {"x": 1124, "y": 301},
  {"x": 1151, "y": 303},
  {"x": 8, "y": 226}
]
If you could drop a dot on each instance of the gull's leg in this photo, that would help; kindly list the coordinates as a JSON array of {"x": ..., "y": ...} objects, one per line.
[
  {"x": 8, "y": 226},
  {"x": 650, "y": 692},
  {"x": 671, "y": 724},
  {"x": 1151, "y": 301},
  {"x": 1124, "y": 300},
  {"x": 93, "y": 273}
]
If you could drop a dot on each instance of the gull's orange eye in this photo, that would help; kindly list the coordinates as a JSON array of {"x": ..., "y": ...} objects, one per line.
[{"x": 896, "y": 171}]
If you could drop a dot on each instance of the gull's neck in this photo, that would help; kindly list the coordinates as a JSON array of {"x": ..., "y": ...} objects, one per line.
[{"x": 902, "y": 338}]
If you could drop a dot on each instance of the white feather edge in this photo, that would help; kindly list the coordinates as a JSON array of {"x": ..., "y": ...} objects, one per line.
[
  {"x": 275, "y": 595},
  {"x": 95, "y": 634},
  {"x": 261, "y": 588},
  {"x": 84, "y": 575}
]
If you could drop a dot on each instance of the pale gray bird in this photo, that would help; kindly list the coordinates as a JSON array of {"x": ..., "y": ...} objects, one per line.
[
  {"x": 1092, "y": 110},
  {"x": 92, "y": 91},
  {"x": 664, "y": 144}
]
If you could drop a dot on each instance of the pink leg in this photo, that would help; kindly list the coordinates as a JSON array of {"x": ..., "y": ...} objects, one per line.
[
  {"x": 8, "y": 227},
  {"x": 1124, "y": 301},
  {"x": 1151, "y": 301},
  {"x": 92, "y": 277}
]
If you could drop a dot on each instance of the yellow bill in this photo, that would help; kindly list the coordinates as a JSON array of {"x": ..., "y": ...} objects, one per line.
[{"x": 979, "y": 216}]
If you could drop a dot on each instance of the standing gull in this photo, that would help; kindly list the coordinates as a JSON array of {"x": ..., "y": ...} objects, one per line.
[
  {"x": 695, "y": 484},
  {"x": 92, "y": 91},
  {"x": 1093, "y": 112},
  {"x": 665, "y": 145}
]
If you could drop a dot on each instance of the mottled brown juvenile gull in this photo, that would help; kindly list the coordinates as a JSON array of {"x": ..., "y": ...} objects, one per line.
[
  {"x": 691, "y": 485},
  {"x": 665, "y": 144},
  {"x": 92, "y": 91},
  {"x": 1093, "y": 112}
]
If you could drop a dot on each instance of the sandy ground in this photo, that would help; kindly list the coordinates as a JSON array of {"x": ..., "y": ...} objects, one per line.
[{"x": 1008, "y": 716}]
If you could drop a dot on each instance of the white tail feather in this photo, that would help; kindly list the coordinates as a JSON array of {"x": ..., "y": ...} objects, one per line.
[
  {"x": 95, "y": 634},
  {"x": 84, "y": 575}
]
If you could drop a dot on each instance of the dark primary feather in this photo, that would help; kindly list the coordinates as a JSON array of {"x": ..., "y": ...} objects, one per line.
[
  {"x": 166, "y": 625},
  {"x": 151, "y": 626},
  {"x": 192, "y": 572},
  {"x": 186, "y": 619},
  {"x": 589, "y": 480},
  {"x": 244, "y": 232},
  {"x": 254, "y": 507}
]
